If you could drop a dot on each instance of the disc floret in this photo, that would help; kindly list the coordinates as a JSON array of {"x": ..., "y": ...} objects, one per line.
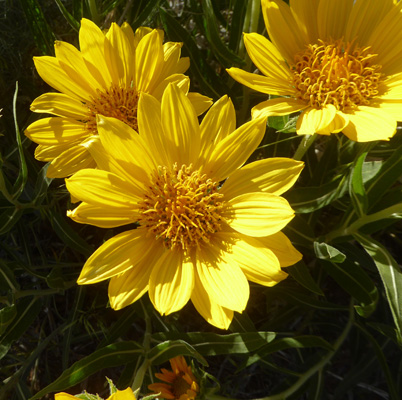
[{"x": 182, "y": 207}]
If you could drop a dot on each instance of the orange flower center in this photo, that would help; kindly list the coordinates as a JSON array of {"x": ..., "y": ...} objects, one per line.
[
  {"x": 182, "y": 207},
  {"x": 116, "y": 102},
  {"x": 336, "y": 73}
]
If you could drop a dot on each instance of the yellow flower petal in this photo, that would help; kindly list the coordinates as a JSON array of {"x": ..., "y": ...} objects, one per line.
[
  {"x": 125, "y": 145},
  {"x": 278, "y": 106},
  {"x": 126, "y": 394},
  {"x": 115, "y": 256},
  {"x": 258, "y": 262},
  {"x": 171, "y": 56},
  {"x": 283, "y": 29},
  {"x": 101, "y": 217},
  {"x": 305, "y": 15},
  {"x": 171, "y": 282},
  {"x": 148, "y": 62},
  {"x": 315, "y": 120},
  {"x": 218, "y": 122},
  {"x": 56, "y": 130},
  {"x": 223, "y": 280},
  {"x": 119, "y": 56},
  {"x": 180, "y": 80},
  {"x": 261, "y": 83},
  {"x": 200, "y": 102},
  {"x": 211, "y": 311},
  {"x": 234, "y": 150},
  {"x": 69, "y": 162},
  {"x": 59, "y": 104},
  {"x": 272, "y": 175},
  {"x": 127, "y": 288},
  {"x": 332, "y": 17},
  {"x": 282, "y": 248},
  {"x": 92, "y": 44},
  {"x": 64, "y": 396},
  {"x": 73, "y": 64},
  {"x": 364, "y": 18},
  {"x": 126, "y": 29},
  {"x": 180, "y": 125},
  {"x": 258, "y": 214},
  {"x": 50, "y": 71},
  {"x": 266, "y": 57},
  {"x": 368, "y": 124},
  {"x": 46, "y": 153},
  {"x": 104, "y": 189}
]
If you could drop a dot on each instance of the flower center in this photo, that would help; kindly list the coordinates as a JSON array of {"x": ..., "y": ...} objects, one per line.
[
  {"x": 180, "y": 387},
  {"x": 336, "y": 73},
  {"x": 116, "y": 102},
  {"x": 182, "y": 207}
]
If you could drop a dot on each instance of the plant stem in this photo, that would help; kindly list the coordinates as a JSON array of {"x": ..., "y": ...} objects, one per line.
[{"x": 304, "y": 145}]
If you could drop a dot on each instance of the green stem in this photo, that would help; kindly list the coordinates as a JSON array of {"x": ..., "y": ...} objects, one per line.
[
  {"x": 140, "y": 373},
  {"x": 304, "y": 145},
  {"x": 394, "y": 210},
  {"x": 94, "y": 11}
]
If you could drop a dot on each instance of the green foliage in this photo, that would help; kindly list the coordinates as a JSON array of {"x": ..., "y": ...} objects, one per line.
[{"x": 333, "y": 326}]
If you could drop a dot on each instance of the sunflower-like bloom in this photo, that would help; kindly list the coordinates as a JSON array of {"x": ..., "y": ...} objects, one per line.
[
  {"x": 181, "y": 384},
  {"x": 106, "y": 77},
  {"x": 126, "y": 394},
  {"x": 339, "y": 62},
  {"x": 196, "y": 239}
]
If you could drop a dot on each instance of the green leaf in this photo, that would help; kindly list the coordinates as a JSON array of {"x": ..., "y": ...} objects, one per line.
[
  {"x": 356, "y": 188},
  {"x": 312, "y": 198},
  {"x": 41, "y": 185},
  {"x": 7, "y": 279},
  {"x": 326, "y": 252},
  {"x": 354, "y": 280},
  {"x": 212, "y": 344},
  {"x": 172, "y": 348},
  {"x": 7, "y": 315},
  {"x": 222, "y": 53},
  {"x": 387, "y": 175},
  {"x": 391, "y": 277},
  {"x": 150, "y": 6},
  {"x": 297, "y": 342},
  {"x": 110, "y": 356},
  {"x": 301, "y": 273},
  {"x": 27, "y": 310},
  {"x": 9, "y": 218},
  {"x": 69, "y": 18}
]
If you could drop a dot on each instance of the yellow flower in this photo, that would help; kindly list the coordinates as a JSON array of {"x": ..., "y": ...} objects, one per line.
[
  {"x": 126, "y": 394},
  {"x": 106, "y": 77},
  {"x": 181, "y": 383},
  {"x": 338, "y": 61},
  {"x": 195, "y": 240}
]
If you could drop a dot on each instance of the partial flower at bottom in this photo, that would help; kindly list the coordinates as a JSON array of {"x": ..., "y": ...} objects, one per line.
[
  {"x": 180, "y": 382},
  {"x": 126, "y": 394},
  {"x": 339, "y": 62},
  {"x": 105, "y": 77},
  {"x": 196, "y": 239}
]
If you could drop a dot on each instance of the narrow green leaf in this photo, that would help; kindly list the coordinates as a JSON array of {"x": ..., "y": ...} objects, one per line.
[
  {"x": 7, "y": 278},
  {"x": 172, "y": 348},
  {"x": 356, "y": 188},
  {"x": 9, "y": 218},
  {"x": 301, "y": 273},
  {"x": 150, "y": 7},
  {"x": 110, "y": 356},
  {"x": 211, "y": 344},
  {"x": 298, "y": 342},
  {"x": 326, "y": 252},
  {"x": 354, "y": 280},
  {"x": 391, "y": 277},
  {"x": 236, "y": 26},
  {"x": 223, "y": 53},
  {"x": 69, "y": 18},
  {"x": 7, "y": 315}
]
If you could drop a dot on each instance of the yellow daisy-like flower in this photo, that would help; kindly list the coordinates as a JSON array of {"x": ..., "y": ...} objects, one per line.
[
  {"x": 181, "y": 384},
  {"x": 126, "y": 394},
  {"x": 340, "y": 62},
  {"x": 106, "y": 77},
  {"x": 196, "y": 239}
]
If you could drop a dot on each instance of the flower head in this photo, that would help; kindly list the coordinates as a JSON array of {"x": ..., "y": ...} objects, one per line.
[
  {"x": 197, "y": 239},
  {"x": 181, "y": 383},
  {"x": 126, "y": 394},
  {"x": 339, "y": 62},
  {"x": 106, "y": 77}
]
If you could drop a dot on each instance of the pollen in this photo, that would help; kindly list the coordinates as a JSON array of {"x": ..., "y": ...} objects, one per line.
[
  {"x": 182, "y": 207},
  {"x": 116, "y": 102},
  {"x": 336, "y": 73}
]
